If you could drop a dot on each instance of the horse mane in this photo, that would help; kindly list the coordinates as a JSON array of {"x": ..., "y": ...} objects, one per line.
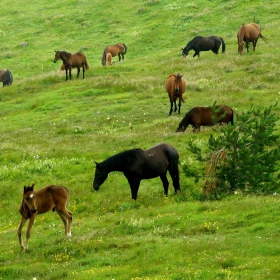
[
  {"x": 122, "y": 157},
  {"x": 104, "y": 53}
]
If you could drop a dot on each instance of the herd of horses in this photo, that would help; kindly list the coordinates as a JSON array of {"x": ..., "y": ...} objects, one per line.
[{"x": 136, "y": 164}]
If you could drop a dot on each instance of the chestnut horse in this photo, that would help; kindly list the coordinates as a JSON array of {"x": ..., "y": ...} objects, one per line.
[
  {"x": 115, "y": 50},
  {"x": 40, "y": 201},
  {"x": 6, "y": 77},
  {"x": 109, "y": 58},
  {"x": 138, "y": 164},
  {"x": 175, "y": 86},
  {"x": 206, "y": 116},
  {"x": 77, "y": 60},
  {"x": 248, "y": 33}
]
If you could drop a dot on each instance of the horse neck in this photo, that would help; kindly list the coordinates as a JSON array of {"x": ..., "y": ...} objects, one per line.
[
  {"x": 113, "y": 163},
  {"x": 241, "y": 33}
]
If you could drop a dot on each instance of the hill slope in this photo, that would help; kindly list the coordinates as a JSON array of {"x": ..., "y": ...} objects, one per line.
[{"x": 52, "y": 131}]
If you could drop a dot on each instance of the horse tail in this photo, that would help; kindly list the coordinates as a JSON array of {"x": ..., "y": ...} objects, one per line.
[
  {"x": 125, "y": 49},
  {"x": 223, "y": 45},
  {"x": 86, "y": 64},
  {"x": 262, "y": 37}
]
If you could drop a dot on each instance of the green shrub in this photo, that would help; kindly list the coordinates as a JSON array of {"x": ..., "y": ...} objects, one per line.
[{"x": 243, "y": 157}]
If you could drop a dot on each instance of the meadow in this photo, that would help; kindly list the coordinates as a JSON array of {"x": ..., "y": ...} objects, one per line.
[{"x": 52, "y": 132}]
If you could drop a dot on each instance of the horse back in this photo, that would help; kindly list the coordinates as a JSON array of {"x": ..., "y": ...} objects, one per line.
[{"x": 51, "y": 197}]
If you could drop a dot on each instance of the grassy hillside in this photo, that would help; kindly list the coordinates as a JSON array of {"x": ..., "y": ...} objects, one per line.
[{"x": 52, "y": 131}]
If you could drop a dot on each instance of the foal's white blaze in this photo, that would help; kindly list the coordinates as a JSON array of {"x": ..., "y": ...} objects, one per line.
[{"x": 32, "y": 195}]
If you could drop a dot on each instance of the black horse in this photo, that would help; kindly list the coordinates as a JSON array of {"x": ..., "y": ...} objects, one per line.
[
  {"x": 137, "y": 164},
  {"x": 200, "y": 43}
]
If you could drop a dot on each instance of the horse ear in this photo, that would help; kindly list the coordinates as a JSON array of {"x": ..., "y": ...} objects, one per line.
[
  {"x": 32, "y": 187},
  {"x": 24, "y": 189}
]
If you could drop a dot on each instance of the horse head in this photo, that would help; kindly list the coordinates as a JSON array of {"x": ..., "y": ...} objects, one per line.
[
  {"x": 29, "y": 199},
  {"x": 57, "y": 56},
  {"x": 240, "y": 47},
  {"x": 185, "y": 52},
  {"x": 100, "y": 176}
]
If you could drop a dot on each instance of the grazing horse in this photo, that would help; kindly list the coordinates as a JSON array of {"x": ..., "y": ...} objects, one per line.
[
  {"x": 203, "y": 116},
  {"x": 115, "y": 50},
  {"x": 200, "y": 43},
  {"x": 138, "y": 164},
  {"x": 40, "y": 201},
  {"x": 109, "y": 58},
  {"x": 77, "y": 60},
  {"x": 175, "y": 86},
  {"x": 6, "y": 77},
  {"x": 248, "y": 33}
]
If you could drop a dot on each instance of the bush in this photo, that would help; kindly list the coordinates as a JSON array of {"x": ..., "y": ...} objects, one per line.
[{"x": 241, "y": 157}]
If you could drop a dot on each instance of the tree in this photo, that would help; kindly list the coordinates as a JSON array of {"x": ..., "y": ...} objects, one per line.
[{"x": 242, "y": 157}]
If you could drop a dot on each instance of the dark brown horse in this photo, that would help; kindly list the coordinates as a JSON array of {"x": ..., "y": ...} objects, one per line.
[
  {"x": 77, "y": 60},
  {"x": 206, "y": 116},
  {"x": 248, "y": 33},
  {"x": 200, "y": 43},
  {"x": 137, "y": 164},
  {"x": 36, "y": 202},
  {"x": 115, "y": 50},
  {"x": 6, "y": 77},
  {"x": 175, "y": 86}
]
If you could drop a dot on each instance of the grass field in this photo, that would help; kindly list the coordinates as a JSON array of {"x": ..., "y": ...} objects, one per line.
[{"x": 52, "y": 131}]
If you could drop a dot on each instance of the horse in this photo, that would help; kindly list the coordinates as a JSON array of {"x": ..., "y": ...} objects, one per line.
[
  {"x": 109, "y": 58},
  {"x": 137, "y": 164},
  {"x": 77, "y": 60},
  {"x": 248, "y": 33},
  {"x": 200, "y": 43},
  {"x": 115, "y": 50},
  {"x": 40, "y": 201},
  {"x": 203, "y": 116},
  {"x": 175, "y": 86},
  {"x": 6, "y": 77}
]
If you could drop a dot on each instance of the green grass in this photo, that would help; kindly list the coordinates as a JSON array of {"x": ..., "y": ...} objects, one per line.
[{"x": 52, "y": 131}]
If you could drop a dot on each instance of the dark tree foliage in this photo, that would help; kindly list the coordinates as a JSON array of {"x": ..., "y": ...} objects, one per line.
[{"x": 243, "y": 157}]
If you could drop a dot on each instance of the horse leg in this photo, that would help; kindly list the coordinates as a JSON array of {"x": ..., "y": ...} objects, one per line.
[
  {"x": 30, "y": 224},
  {"x": 134, "y": 186},
  {"x": 174, "y": 173},
  {"x": 175, "y": 105},
  {"x": 67, "y": 220},
  {"x": 165, "y": 182},
  {"x": 66, "y": 217},
  {"x": 119, "y": 55},
  {"x": 255, "y": 44},
  {"x": 179, "y": 106},
  {"x": 66, "y": 70},
  {"x": 84, "y": 69},
  {"x": 78, "y": 71},
  {"x": 122, "y": 56},
  {"x": 171, "y": 107},
  {"x": 247, "y": 46},
  {"x": 22, "y": 223},
  {"x": 70, "y": 73}
]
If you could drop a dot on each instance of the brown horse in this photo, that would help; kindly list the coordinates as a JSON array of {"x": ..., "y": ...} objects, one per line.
[
  {"x": 248, "y": 33},
  {"x": 6, "y": 77},
  {"x": 77, "y": 60},
  {"x": 115, "y": 50},
  {"x": 109, "y": 58},
  {"x": 42, "y": 201},
  {"x": 175, "y": 86},
  {"x": 203, "y": 116}
]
